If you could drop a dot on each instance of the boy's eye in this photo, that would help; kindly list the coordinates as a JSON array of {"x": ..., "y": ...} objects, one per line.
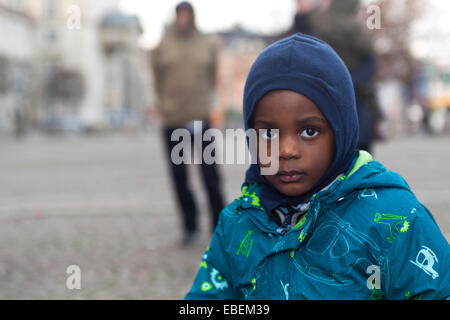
[
  {"x": 309, "y": 133},
  {"x": 269, "y": 134}
]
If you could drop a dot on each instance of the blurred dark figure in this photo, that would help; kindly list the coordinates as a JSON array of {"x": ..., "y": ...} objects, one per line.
[
  {"x": 339, "y": 27},
  {"x": 184, "y": 67},
  {"x": 306, "y": 10},
  {"x": 19, "y": 123}
]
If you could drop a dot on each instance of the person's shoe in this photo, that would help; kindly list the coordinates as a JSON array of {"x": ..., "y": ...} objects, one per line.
[{"x": 191, "y": 238}]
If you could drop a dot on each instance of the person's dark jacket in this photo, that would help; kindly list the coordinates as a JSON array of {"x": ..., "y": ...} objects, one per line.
[{"x": 344, "y": 33}]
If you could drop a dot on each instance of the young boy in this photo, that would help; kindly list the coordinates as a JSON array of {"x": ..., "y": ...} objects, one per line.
[{"x": 332, "y": 223}]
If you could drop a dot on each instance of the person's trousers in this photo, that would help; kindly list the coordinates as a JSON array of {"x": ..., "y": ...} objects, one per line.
[{"x": 185, "y": 197}]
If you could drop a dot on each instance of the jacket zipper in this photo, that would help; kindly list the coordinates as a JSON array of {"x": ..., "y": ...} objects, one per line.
[{"x": 281, "y": 230}]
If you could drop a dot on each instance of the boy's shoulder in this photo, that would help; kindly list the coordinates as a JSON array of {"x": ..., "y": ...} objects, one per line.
[
  {"x": 249, "y": 198},
  {"x": 372, "y": 187},
  {"x": 246, "y": 210},
  {"x": 385, "y": 207}
]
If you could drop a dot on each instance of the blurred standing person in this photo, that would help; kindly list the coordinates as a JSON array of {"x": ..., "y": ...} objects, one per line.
[
  {"x": 339, "y": 27},
  {"x": 184, "y": 67},
  {"x": 306, "y": 10}
]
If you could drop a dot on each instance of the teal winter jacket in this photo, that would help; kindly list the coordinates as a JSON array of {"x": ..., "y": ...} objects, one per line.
[{"x": 365, "y": 237}]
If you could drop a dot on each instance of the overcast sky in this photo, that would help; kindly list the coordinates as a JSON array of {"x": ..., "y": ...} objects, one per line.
[
  {"x": 213, "y": 15},
  {"x": 431, "y": 33},
  {"x": 276, "y": 15}
]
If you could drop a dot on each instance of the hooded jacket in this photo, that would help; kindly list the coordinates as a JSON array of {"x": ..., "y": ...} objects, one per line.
[
  {"x": 309, "y": 66},
  {"x": 364, "y": 237}
]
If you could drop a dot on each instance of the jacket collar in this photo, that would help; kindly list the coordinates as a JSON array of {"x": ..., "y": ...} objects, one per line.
[
  {"x": 335, "y": 191},
  {"x": 363, "y": 174},
  {"x": 250, "y": 192}
]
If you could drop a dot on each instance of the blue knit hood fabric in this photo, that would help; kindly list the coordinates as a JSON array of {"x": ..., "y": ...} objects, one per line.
[{"x": 308, "y": 66}]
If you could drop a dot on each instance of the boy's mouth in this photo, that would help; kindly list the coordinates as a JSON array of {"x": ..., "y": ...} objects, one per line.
[{"x": 290, "y": 176}]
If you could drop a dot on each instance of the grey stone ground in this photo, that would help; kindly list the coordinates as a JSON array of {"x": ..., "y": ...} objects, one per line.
[{"x": 103, "y": 203}]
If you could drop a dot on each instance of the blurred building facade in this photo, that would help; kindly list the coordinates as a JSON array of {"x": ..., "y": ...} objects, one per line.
[
  {"x": 17, "y": 57},
  {"x": 84, "y": 75},
  {"x": 238, "y": 50},
  {"x": 127, "y": 80}
]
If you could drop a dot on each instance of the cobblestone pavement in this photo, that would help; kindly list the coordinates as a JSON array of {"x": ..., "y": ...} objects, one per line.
[{"x": 103, "y": 203}]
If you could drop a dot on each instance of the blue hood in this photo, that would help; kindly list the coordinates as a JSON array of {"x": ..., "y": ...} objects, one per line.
[{"x": 308, "y": 66}]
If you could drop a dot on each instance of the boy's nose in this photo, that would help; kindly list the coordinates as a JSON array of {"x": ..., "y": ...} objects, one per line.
[{"x": 288, "y": 148}]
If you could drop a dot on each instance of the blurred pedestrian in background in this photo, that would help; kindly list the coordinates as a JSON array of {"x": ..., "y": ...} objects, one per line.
[
  {"x": 339, "y": 27},
  {"x": 184, "y": 67},
  {"x": 306, "y": 9},
  {"x": 335, "y": 22}
]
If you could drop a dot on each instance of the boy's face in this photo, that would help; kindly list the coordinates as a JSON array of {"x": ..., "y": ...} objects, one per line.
[{"x": 306, "y": 140}]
